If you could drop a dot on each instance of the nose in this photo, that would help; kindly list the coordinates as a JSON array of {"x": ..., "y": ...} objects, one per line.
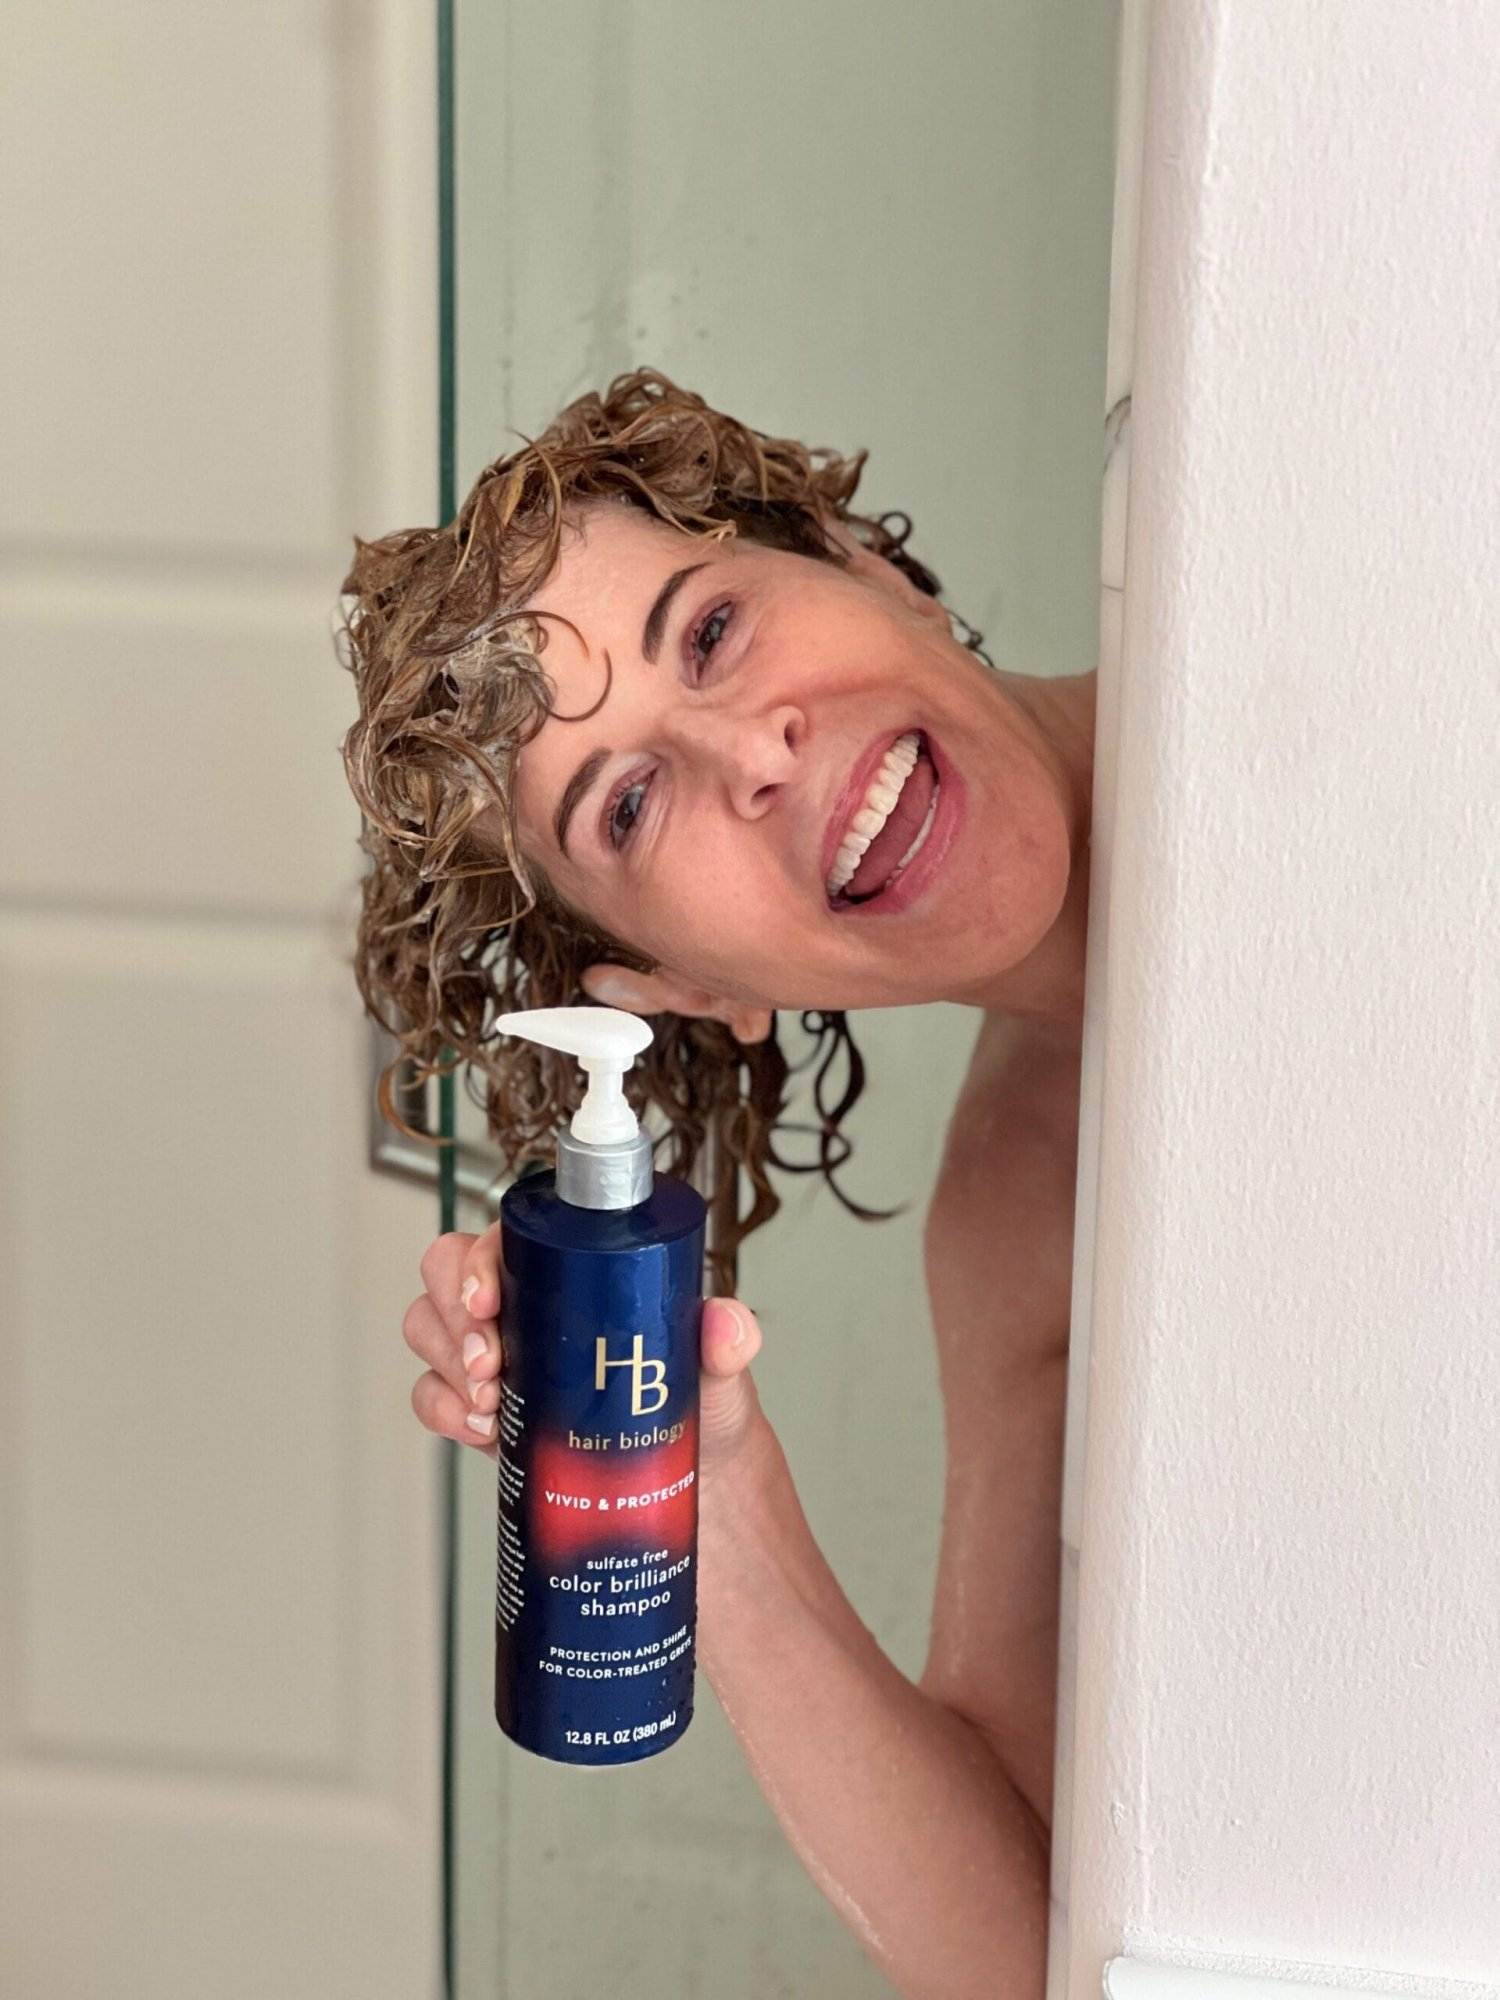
[{"x": 753, "y": 755}]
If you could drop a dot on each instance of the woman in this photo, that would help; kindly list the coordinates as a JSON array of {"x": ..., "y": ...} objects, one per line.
[{"x": 758, "y": 771}]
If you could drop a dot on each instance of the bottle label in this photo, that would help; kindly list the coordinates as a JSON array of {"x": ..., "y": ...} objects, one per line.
[{"x": 598, "y": 1521}]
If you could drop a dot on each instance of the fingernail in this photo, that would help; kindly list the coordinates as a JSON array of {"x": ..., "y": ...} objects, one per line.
[
  {"x": 474, "y": 1346},
  {"x": 741, "y": 1324},
  {"x": 484, "y": 1425},
  {"x": 471, "y": 1286}
]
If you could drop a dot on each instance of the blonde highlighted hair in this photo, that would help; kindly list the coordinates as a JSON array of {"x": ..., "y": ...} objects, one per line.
[{"x": 454, "y": 927}]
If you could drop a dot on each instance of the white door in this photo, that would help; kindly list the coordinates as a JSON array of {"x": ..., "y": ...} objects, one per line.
[{"x": 219, "y": 1589}]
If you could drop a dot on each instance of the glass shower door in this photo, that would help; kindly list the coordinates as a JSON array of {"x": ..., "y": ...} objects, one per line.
[{"x": 842, "y": 226}]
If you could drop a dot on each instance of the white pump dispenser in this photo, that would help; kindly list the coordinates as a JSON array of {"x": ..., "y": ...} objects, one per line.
[{"x": 603, "y": 1157}]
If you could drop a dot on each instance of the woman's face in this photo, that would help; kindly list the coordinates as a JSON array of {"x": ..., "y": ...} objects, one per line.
[{"x": 750, "y": 705}]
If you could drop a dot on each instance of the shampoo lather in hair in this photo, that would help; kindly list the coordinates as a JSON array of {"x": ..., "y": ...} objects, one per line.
[{"x": 601, "y": 1294}]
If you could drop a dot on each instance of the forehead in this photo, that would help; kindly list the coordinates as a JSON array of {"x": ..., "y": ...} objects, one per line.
[{"x": 610, "y": 559}]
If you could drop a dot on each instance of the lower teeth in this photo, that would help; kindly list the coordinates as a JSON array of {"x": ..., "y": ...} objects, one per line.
[{"x": 922, "y": 831}]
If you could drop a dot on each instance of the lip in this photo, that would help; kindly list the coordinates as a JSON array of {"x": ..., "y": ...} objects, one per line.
[{"x": 913, "y": 879}]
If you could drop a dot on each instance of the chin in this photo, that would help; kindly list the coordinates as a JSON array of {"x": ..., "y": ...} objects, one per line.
[{"x": 1003, "y": 921}]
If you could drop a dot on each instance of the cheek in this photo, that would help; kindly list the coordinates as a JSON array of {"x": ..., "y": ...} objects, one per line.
[{"x": 713, "y": 915}]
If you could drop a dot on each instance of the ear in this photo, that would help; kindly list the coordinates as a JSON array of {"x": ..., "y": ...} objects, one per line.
[
  {"x": 883, "y": 573},
  {"x": 663, "y": 993}
]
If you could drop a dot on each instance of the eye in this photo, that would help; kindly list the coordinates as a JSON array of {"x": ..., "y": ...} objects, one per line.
[
  {"x": 621, "y": 829},
  {"x": 705, "y": 638}
]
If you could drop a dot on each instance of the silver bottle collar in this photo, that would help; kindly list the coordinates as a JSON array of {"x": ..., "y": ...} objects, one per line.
[{"x": 618, "y": 1176}]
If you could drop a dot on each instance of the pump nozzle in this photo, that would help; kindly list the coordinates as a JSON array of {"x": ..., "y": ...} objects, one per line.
[{"x": 606, "y": 1040}]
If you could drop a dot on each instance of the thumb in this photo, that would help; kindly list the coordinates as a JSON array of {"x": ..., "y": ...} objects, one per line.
[{"x": 728, "y": 1406}]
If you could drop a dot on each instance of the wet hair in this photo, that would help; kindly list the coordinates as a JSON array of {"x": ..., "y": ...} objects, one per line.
[{"x": 455, "y": 927}]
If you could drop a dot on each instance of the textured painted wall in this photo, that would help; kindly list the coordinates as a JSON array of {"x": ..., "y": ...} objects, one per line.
[{"x": 1288, "y": 1704}]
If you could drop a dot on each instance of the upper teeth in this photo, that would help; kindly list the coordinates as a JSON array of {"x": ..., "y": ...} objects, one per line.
[{"x": 880, "y": 801}]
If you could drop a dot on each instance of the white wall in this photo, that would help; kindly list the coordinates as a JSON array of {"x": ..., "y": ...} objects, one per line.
[{"x": 1287, "y": 1701}]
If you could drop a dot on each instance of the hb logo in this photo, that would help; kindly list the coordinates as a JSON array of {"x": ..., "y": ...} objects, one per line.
[{"x": 644, "y": 1375}]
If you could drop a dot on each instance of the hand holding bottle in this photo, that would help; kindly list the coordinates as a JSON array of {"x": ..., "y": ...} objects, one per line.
[{"x": 454, "y": 1328}]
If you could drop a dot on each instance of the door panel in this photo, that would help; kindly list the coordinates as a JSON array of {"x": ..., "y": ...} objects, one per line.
[{"x": 220, "y": 1588}]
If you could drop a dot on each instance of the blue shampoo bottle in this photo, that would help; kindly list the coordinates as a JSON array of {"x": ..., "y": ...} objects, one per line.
[{"x": 601, "y": 1295}]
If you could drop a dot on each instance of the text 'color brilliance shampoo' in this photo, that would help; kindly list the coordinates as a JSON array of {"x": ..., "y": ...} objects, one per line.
[{"x": 601, "y": 1298}]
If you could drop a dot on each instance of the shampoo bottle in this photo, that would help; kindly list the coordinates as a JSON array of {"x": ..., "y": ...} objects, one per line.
[{"x": 601, "y": 1294}]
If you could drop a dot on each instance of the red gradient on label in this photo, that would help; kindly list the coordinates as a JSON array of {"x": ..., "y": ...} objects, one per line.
[{"x": 582, "y": 1500}]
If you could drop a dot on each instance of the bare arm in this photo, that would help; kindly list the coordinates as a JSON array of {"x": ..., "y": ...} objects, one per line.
[
  {"x": 895, "y": 1804},
  {"x": 894, "y": 1797},
  {"x": 922, "y": 1811},
  {"x": 998, "y": 1251}
]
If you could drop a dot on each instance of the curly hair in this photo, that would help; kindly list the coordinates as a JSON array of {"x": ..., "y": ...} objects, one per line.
[{"x": 454, "y": 927}]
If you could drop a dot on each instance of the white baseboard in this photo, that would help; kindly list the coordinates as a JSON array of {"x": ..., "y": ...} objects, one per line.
[{"x": 1139, "y": 1979}]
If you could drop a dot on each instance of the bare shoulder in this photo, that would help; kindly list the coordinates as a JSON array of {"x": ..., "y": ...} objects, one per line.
[{"x": 999, "y": 1229}]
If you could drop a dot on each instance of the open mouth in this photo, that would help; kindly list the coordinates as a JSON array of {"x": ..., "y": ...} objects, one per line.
[{"x": 890, "y": 827}]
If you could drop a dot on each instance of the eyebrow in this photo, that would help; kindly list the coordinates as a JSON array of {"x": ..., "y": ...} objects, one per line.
[
  {"x": 582, "y": 781},
  {"x": 578, "y": 785},
  {"x": 656, "y": 617}
]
